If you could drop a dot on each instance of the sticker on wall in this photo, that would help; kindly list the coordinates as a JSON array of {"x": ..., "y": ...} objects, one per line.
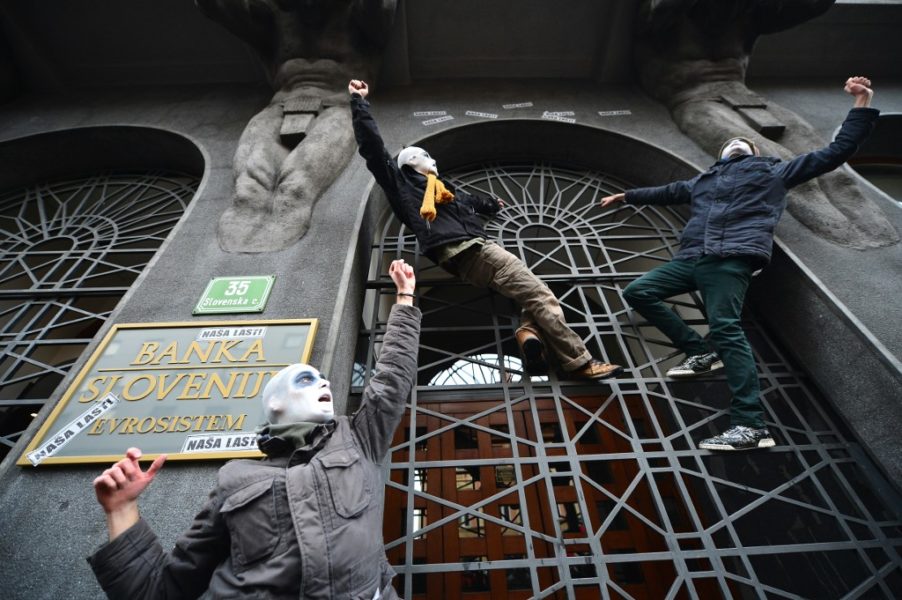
[
  {"x": 516, "y": 105},
  {"x": 438, "y": 120},
  {"x": 614, "y": 113},
  {"x": 67, "y": 433},
  {"x": 430, "y": 113},
  {"x": 558, "y": 113},
  {"x": 555, "y": 117},
  {"x": 482, "y": 115}
]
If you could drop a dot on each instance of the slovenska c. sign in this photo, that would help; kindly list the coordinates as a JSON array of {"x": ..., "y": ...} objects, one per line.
[
  {"x": 235, "y": 295},
  {"x": 189, "y": 390}
]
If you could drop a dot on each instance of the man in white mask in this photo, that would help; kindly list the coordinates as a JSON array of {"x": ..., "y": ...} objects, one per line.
[
  {"x": 305, "y": 521},
  {"x": 448, "y": 225},
  {"x": 734, "y": 207}
]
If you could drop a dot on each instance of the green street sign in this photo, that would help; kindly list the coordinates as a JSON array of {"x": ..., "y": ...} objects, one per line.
[{"x": 235, "y": 295}]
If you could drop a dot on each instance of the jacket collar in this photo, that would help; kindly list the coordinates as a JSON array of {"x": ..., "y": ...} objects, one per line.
[{"x": 300, "y": 442}]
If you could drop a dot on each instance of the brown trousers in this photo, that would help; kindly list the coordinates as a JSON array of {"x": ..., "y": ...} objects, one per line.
[{"x": 491, "y": 266}]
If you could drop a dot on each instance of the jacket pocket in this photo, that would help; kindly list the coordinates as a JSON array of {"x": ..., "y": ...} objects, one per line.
[
  {"x": 252, "y": 518},
  {"x": 349, "y": 483}
]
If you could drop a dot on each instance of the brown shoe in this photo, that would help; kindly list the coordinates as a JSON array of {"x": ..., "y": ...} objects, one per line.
[
  {"x": 532, "y": 349},
  {"x": 595, "y": 369}
]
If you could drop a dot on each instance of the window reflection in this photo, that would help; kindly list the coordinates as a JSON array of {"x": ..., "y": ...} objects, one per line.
[{"x": 483, "y": 369}]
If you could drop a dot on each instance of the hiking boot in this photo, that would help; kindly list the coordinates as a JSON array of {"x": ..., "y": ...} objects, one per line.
[
  {"x": 595, "y": 369},
  {"x": 532, "y": 349},
  {"x": 695, "y": 365},
  {"x": 739, "y": 437}
]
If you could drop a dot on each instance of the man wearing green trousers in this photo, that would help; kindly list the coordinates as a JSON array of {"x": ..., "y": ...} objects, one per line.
[{"x": 734, "y": 207}]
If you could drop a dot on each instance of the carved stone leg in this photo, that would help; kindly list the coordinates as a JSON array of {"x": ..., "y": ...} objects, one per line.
[{"x": 276, "y": 189}]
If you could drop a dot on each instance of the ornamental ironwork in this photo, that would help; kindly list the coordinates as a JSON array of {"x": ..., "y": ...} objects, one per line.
[
  {"x": 507, "y": 485},
  {"x": 69, "y": 251}
]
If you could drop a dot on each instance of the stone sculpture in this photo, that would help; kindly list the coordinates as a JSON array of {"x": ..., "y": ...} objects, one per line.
[
  {"x": 692, "y": 55},
  {"x": 293, "y": 149}
]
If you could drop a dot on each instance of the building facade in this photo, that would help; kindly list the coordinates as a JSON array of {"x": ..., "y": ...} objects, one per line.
[{"x": 118, "y": 166}]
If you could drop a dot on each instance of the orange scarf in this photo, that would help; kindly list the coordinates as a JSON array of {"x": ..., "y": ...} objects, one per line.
[{"x": 435, "y": 194}]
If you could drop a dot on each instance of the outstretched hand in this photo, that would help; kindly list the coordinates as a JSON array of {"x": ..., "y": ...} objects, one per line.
[
  {"x": 358, "y": 86},
  {"x": 405, "y": 281},
  {"x": 609, "y": 200},
  {"x": 860, "y": 88}
]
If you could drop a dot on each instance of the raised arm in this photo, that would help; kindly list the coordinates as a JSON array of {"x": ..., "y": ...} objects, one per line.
[
  {"x": 395, "y": 374},
  {"x": 855, "y": 129},
  {"x": 369, "y": 141}
]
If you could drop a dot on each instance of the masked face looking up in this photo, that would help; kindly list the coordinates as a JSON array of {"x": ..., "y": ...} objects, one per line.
[
  {"x": 419, "y": 160},
  {"x": 298, "y": 393}
]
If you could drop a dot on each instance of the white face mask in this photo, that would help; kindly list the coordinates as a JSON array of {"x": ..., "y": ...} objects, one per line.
[
  {"x": 736, "y": 147},
  {"x": 298, "y": 393},
  {"x": 418, "y": 159}
]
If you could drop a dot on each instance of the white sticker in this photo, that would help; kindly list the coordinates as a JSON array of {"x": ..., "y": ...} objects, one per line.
[
  {"x": 219, "y": 442},
  {"x": 230, "y": 333},
  {"x": 614, "y": 113},
  {"x": 557, "y": 118},
  {"x": 517, "y": 105},
  {"x": 559, "y": 113},
  {"x": 438, "y": 120},
  {"x": 473, "y": 113},
  {"x": 430, "y": 113},
  {"x": 65, "y": 435}
]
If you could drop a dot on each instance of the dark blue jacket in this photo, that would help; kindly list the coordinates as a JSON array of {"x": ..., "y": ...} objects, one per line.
[
  {"x": 456, "y": 221},
  {"x": 736, "y": 203}
]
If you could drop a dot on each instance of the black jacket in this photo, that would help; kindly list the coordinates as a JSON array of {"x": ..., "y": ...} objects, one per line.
[
  {"x": 736, "y": 203},
  {"x": 455, "y": 221}
]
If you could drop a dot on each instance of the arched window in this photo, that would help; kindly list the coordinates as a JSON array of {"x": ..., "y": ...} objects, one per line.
[
  {"x": 509, "y": 486},
  {"x": 70, "y": 248}
]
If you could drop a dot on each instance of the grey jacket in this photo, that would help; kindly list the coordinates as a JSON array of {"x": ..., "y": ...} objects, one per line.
[
  {"x": 735, "y": 204},
  {"x": 303, "y": 523}
]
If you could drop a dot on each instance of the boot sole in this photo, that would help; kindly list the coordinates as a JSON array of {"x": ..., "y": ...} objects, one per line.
[
  {"x": 765, "y": 443},
  {"x": 608, "y": 375}
]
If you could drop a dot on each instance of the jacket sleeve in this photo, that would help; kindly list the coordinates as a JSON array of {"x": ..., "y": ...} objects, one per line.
[
  {"x": 371, "y": 147},
  {"x": 134, "y": 566},
  {"x": 395, "y": 374},
  {"x": 855, "y": 130},
  {"x": 484, "y": 205},
  {"x": 678, "y": 192}
]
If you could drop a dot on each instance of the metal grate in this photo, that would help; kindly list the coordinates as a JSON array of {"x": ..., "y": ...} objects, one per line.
[
  {"x": 505, "y": 485},
  {"x": 69, "y": 250}
]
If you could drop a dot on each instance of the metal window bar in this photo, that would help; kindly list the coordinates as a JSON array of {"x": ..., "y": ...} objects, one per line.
[
  {"x": 811, "y": 518},
  {"x": 69, "y": 250}
]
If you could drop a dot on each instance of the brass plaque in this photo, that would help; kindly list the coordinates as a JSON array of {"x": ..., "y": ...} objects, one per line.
[{"x": 190, "y": 390}]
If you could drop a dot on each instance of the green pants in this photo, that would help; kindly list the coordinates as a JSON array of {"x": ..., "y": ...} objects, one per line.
[{"x": 722, "y": 283}]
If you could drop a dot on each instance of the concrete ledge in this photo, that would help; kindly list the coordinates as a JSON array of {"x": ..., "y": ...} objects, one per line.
[{"x": 858, "y": 376}]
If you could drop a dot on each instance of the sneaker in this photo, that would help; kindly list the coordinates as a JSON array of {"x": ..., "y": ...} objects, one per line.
[
  {"x": 595, "y": 369},
  {"x": 697, "y": 364},
  {"x": 532, "y": 349},
  {"x": 739, "y": 437}
]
